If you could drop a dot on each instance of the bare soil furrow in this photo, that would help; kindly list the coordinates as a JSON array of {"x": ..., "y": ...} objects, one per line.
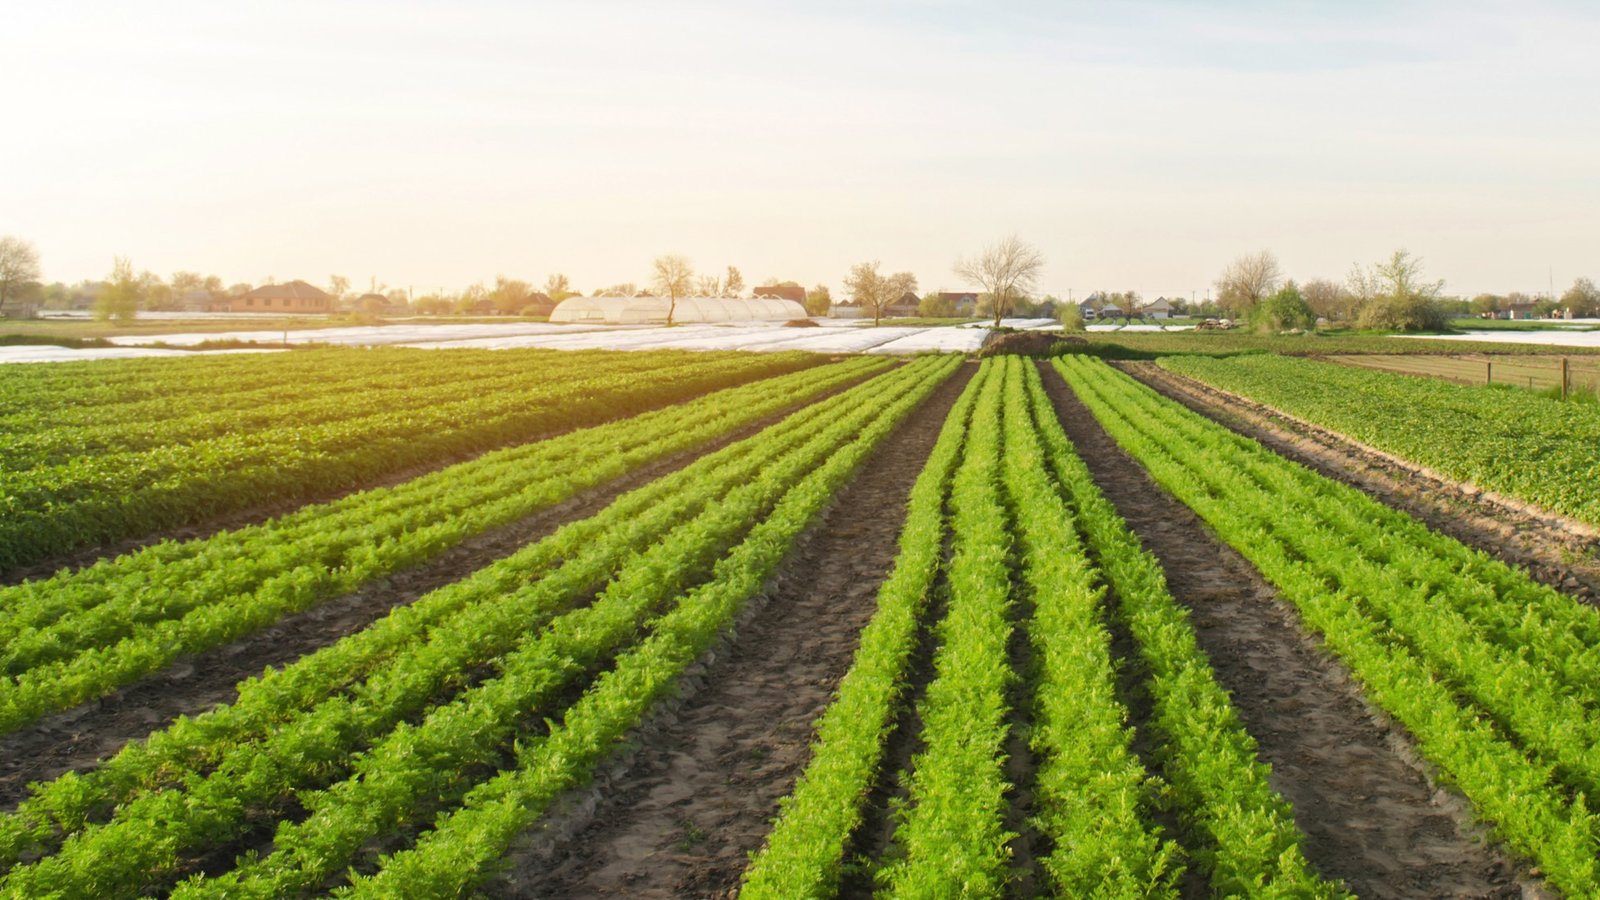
[
  {"x": 1371, "y": 815},
  {"x": 699, "y": 795},
  {"x": 75, "y": 740}
]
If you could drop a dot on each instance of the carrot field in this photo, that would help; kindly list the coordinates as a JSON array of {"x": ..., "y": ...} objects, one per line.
[{"x": 404, "y": 623}]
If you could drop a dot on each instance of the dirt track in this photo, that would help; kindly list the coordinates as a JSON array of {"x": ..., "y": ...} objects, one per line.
[
  {"x": 1370, "y": 815},
  {"x": 700, "y": 794},
  {"x": 1552, "y": 550},
  {"x": 75, "y": 740}
]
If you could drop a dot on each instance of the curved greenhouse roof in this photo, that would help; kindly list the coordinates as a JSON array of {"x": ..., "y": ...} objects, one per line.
[{"x": 652, "y": 310}]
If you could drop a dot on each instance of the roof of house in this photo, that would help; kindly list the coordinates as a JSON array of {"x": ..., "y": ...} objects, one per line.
[
  {"x": 640, "y": 310},
  {"x": 294, "y": 290},
  {"x": 959, "y": 296},
  {"x": 782, "y": 291}
]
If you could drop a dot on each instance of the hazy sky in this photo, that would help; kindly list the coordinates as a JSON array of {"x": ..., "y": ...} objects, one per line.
[{"x": 1139, "y": 145}]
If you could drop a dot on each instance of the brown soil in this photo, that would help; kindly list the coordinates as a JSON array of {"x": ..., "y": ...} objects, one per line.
[
  {"x": 1559, "y": 552},
  {"x": 1371, "y": 815},
  {"x": 681, "y": 817},
  {"x": 75, "y": 740},
  {"x": 1028, "y": 343}
]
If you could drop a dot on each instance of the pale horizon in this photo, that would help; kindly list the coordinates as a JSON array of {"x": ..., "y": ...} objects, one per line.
[{"x": 1140, "y": 147}]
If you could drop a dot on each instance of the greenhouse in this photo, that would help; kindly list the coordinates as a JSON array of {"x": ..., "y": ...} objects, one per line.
[{"x": 653, "y": 310}]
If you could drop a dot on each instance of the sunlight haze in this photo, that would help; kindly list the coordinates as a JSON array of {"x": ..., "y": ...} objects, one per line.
[{"x": 1140, "y": 146}]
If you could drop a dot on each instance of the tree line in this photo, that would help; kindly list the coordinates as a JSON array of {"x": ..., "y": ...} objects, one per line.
[{"x": 1392, "y": 294}]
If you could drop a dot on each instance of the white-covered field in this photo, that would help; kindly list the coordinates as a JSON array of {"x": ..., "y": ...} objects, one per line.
[
  {"x": 31, "y": 353},
  {"x": 356, "y": 335},
  {"x": 754, "y": 336},
  {"x": 1555, "y": 338},
  {"x": 833, "y": 336}
]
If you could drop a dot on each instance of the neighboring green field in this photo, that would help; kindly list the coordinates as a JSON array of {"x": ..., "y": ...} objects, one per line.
[
  {"x": 1541, "y": 373},
  {"x": 1153, "y": 344},
  {"x": 1494, "y": 675},
  {"x": 104, "y": 450},
  {"x": 1541, "y": 450}
]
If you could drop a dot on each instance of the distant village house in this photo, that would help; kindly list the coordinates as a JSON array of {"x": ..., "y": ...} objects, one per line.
[
  {"x": 965, "y": 303},
  {"x": 782, "y": 292},
  {"x": 296, "y": 296}
]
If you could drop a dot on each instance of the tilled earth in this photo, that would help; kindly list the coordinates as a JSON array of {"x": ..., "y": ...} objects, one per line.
[
  {"x": 700, "y": 792},
  {"x": 1371, "y": 816},
  {"x": 76, "y": 740}
]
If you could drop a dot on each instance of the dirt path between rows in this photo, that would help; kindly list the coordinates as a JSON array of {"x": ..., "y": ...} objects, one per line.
[
  {"x": 1548, "y": 548},
  {"x": 1369, "y": 812},
  {"x": 699, "y": 796},
  {"x": 76, "y": 740}
]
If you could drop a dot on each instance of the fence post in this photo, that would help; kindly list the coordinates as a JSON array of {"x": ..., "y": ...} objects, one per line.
[
  {"x": 1488, "y": 372},
  {"x": 1564, "y": 371}
]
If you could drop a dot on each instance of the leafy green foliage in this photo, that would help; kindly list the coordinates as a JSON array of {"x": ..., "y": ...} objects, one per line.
[
  {"x": 82, "y": 634},
  {"x": 804, "y": 854},
  {"x": 1493, "y": 674},
  {"x": 124, "y": 472},
  {"x": 1283, "y": 311},
  {"x": 1092, "y": 797},
  {"x": 327, "y": 733},
  {"x": 1537, "y": 449}
]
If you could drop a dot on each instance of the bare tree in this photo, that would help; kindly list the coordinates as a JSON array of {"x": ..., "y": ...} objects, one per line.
[
  {"x": 338, "y": 290},
  {"x": 875, "y": 291},
  {"x": 557, "y": 287},
  {"x": 1247, "y": 281},
  {"x": 1328, "y": 299},
  {"x": 19, "y": 269},
  {"x": 1006, "y": 269},
  {"x": 1401, "y": 276},
  {"x": 510, "y": 295},
  {"x": 673, "y": 279},
  {"x": 625, "y": 289},
  {"x": 734, "y": 283},
  {"x": 708, "y": 285}
]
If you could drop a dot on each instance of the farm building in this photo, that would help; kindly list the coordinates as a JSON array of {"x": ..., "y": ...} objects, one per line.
[
  {"x": 905, "y": 306},
  {"x": 296, "y": 296},
  {"x": 964, "y": 302},
  {"x": 653, "y": 310},
  {"x": 1159, "y": 308},
  {"x": 782, "y": 292}
]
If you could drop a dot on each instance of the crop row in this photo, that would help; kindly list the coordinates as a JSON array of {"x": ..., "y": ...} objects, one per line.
[
  {"x": 954, "y": 832},
  {"x": 577, "y": 555},
  {"x": 97, "y": 498},
  {"x": 81, "y": 634},
  {"x": 1535, "y": 448},
  {"x": 288, "y": 744},
  {"x": 74, "y": 393},
  {"x": 187, "y": 419},
  {"x": 1494, "y": 675},
  {"x": 1011, "y": 477}
]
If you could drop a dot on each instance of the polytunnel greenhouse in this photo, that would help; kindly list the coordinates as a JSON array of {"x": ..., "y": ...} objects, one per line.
[{"x": 653, "y": 310}]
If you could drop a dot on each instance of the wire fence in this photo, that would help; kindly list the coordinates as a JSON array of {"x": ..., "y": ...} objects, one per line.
[{"x": 1536, "y": 373}]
